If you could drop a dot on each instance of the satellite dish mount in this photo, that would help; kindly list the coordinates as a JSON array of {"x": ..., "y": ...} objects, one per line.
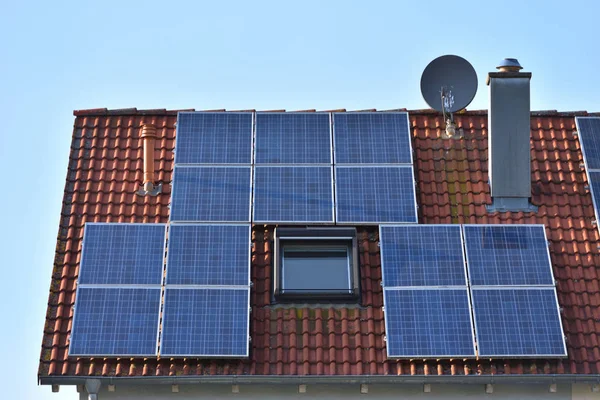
[{"x": 449, "y": 84}]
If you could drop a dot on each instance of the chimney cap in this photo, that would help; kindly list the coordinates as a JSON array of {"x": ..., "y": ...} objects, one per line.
[{"x": 509, "y": 65}]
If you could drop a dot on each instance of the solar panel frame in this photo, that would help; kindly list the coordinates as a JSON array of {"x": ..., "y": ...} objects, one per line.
[
  {"x": 85, "y": 252},
  {"x": 591, "y": 163},
  {"x": 424, "y": 289},
  {"x": 470, "y": 262},
  {"x": 337, "y": 145},
  {"x": 383, "y": 252},
  {"x": 246, "y": 219},
  {"x": 178, "y": 136},
  {"x": 291, "y": 221},
  {"x": 373, "y": 222},
  {"x": 594, "y": 183},
  {"x": 183, "y": 225},
  {"x": 77, "y": 316},
  {"x": 258, "y": 140},
  {"x": 479, "y": 335},
  {"x": 206, "y": 355}
]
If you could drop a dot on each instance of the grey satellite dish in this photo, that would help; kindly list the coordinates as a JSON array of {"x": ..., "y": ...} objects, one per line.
[
  {"x": 449, "y": 84},
  {"x": 451, "y": 78}
]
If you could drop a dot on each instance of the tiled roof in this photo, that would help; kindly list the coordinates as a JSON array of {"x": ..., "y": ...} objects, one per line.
[{"x": 105, "y": 170}]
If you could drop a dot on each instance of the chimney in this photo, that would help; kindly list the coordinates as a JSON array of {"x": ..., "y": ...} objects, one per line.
[
  {"x": 509, "y": 153},
  {"x": 149, "y": 136}
]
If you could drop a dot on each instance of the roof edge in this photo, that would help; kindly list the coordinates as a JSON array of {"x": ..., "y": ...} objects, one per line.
[
  {"x": 313, "y": 379},
  {"x": 163, "y": 111}
]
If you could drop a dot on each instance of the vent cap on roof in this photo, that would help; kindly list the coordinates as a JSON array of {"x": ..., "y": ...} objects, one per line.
[{"x": 509, "y": 65}]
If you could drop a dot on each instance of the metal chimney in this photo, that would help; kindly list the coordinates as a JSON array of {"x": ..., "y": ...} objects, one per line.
[{"x": 508, "y": 141}]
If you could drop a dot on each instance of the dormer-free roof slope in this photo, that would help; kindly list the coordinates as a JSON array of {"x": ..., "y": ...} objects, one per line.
[{"x": 106, "y": 169}]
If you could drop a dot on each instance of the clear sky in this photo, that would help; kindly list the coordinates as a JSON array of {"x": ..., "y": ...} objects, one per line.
[{"x": 59, "y": 56}]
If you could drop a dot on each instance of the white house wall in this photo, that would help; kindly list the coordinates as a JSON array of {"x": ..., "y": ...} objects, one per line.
[{"x": 347, "y": 392}]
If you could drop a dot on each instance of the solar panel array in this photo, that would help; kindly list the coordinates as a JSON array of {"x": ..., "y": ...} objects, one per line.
[
  {"x": 426, "y": 298},
  {"x": 119, "y": 290},
  {"x": 588, "y": 129},
  {"x": 118, "y": 305},
  {"x": 513, "y": 306}
]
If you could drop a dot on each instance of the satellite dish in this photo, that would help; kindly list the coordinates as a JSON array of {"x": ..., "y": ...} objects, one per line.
[{"x": 449, "y": 84}]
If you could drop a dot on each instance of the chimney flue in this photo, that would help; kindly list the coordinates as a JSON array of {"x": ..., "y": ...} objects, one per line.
[
  {"x": 148, "y": 137},
  {"x": 509, "y": 161}
]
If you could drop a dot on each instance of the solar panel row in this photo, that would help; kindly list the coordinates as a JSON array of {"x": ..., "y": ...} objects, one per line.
[
  {"x": 514, "y": 301},
  {"x": 293, "y": 138}
]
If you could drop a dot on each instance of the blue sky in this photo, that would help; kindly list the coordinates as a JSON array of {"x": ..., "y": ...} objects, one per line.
[{"x": 205, "y": 55}]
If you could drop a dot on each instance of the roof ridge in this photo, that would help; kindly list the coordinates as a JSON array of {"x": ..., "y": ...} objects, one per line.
[{"x": 424, "y": 111}]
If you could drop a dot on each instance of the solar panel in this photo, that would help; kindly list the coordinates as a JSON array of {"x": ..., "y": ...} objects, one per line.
[
  {"x": 372, "y": 195},
  {"x": 213, "y": 138},
  {"x": 293, "y": 194},
  {"x": 428, "y": 323},
  {"x": 372, "y": 138},
  {"x": 594, "y": 181},
  {"x": 115, "y": 322},
  {"x": 422, "y": 255},
  {"x": 589, "y": 137},
  {"x": 206, "y": 322},
  {"x": 211, "y": 194},
  {"x": 209, "y": 255},
  {"x": 122, "y": 254},
  {"x": 507, "y": 255},
  {"x": 517, "y": 322},
  {"x": 293, "y": 138}
]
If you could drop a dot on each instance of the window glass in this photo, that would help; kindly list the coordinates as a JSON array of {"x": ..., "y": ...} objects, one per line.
[{"x": 316, "y": 269}]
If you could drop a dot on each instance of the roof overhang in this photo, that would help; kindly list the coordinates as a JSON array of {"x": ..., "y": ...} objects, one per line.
[{"x": 311, "y": 379}]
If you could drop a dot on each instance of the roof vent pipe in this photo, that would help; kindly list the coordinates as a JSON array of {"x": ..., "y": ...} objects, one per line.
[
  {"x": 149, "y": 137},
  {"x": 509, "y": 125}
]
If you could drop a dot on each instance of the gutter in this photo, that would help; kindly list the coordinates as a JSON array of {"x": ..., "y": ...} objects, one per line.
[{"x": 331, "y": 380}]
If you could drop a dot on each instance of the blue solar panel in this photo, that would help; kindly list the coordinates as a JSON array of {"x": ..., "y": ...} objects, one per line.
[
  {"x": 589, "y": 136},
  {"x": 122, "y": 254},
  {"x": 205, "y": 322},
  {"x": 428, "y": 323},
  {"x": 507, "y": 255},
  {"x": 211, "y": 194},
  {"x": 293, "y": 194},
  {"x": 214, "y": 138},
  {"x": 208, "y": 255},
  {"x": 293, "y": 138},
  {"x": 422, "y": 255},
  {"x": 517, "y": 322},
  {"x": 375, "y": 195},
  {"x": 115, "y": 322},
  {"x": 372, "y": 138},
  {"x": 594, "y": 182}
]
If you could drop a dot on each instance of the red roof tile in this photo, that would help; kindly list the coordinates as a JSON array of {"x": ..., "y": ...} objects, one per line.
[{"x": 105, "y": 170}]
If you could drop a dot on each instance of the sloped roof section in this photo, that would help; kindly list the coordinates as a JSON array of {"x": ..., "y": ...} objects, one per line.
[{"x": 105, "y": 170}]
